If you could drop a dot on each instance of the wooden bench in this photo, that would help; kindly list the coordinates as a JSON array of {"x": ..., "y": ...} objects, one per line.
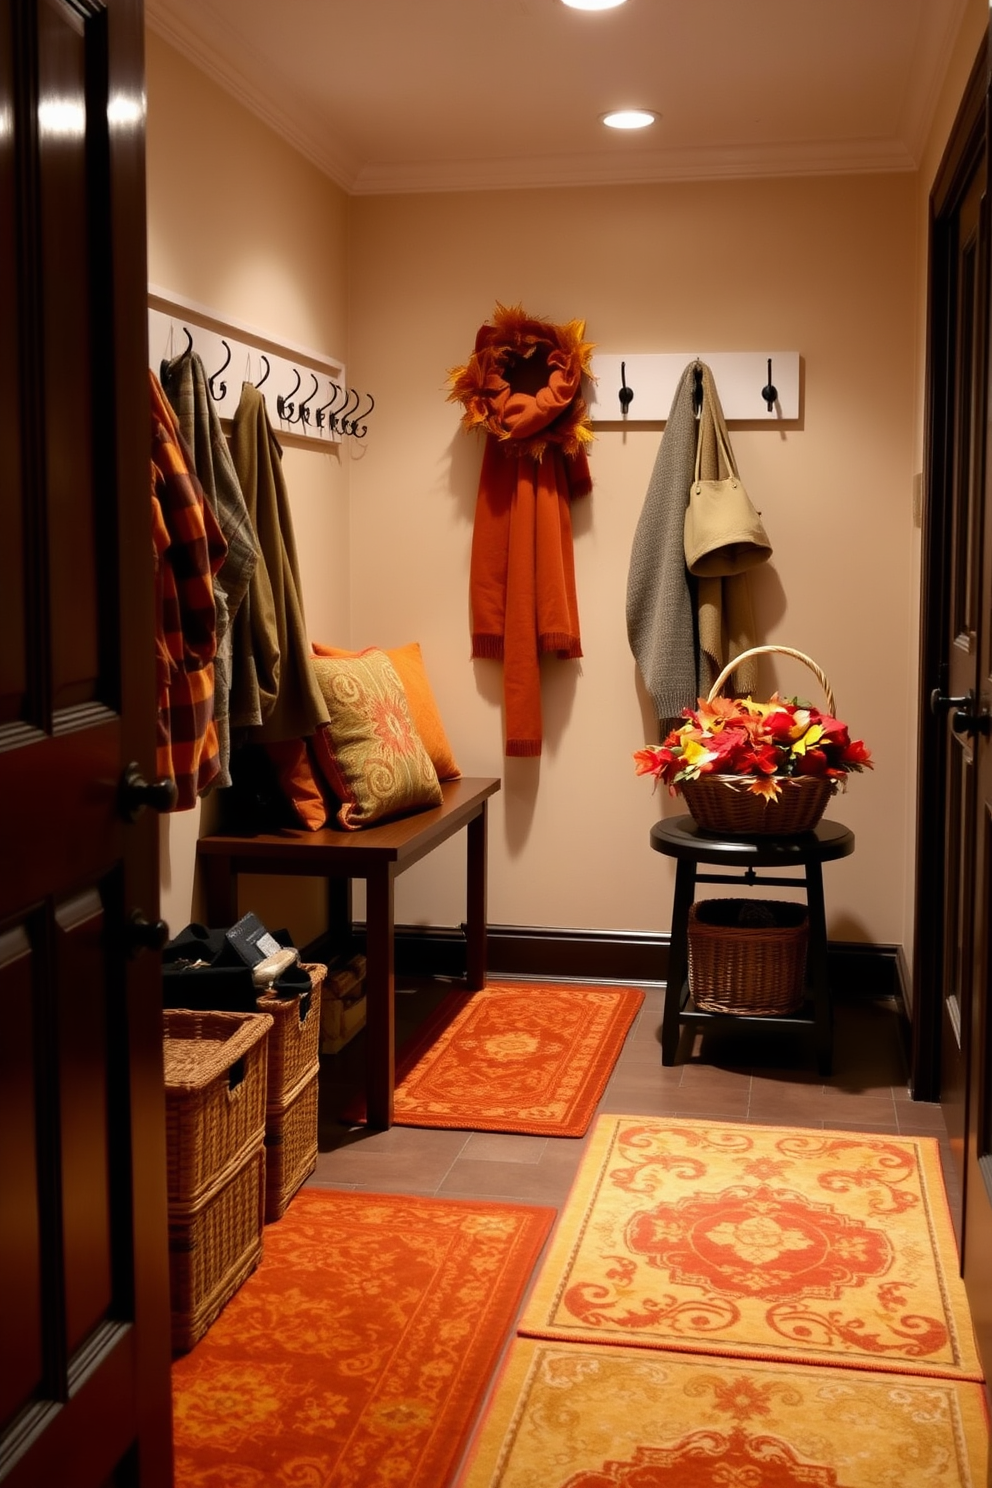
[{"x": 377, "y": 854}]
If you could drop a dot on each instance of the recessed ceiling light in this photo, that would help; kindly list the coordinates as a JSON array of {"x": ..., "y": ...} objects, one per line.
[
  {"x": 629, "y": 119},
  {"x": 597, "y": 4}
]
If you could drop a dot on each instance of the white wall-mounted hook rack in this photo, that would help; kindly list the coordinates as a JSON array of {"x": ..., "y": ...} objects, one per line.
[
  {"x": 238, "y": 351},
  {"x": 652, "y": 378}
]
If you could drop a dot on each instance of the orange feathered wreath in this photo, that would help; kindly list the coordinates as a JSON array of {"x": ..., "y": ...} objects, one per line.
[{"x": 522, "y": 387}]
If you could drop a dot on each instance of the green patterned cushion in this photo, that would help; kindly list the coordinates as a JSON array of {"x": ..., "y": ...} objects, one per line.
[{"x": 370, "y": 753}]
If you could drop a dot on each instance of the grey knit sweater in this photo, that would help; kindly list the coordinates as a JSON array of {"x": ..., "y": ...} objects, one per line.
[{"x": 660, "y": 602}]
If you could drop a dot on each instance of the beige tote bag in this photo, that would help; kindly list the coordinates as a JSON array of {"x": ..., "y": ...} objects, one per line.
[{"x": 723, "y": 532}]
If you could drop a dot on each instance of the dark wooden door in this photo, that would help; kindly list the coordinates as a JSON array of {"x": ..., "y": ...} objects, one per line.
[
  {"x": 952, "y": 1032},
  {"x": 954, "y": 691},
  {"x": 84, "y": 1302}
]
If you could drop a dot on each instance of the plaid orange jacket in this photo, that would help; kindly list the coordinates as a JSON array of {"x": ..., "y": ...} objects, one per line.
[{"x": 189, "y": 549}]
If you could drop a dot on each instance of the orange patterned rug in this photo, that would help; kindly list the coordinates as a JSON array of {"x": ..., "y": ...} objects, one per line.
[
  {"x": 767, "y": 1242},
  {"x": 515, "y": 1057},
  {"x": 360, "y": 1350},
  {"x": 600, "y": 1416}
]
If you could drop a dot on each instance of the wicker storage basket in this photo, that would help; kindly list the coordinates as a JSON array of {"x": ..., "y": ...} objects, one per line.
[
  {"x": 722, "y": 804},
  {"x": 294, "y": 1040},
  {"x": 213, "y": 1247},
  {"x": 215, "y": 1092},
  {"x": 747, "y": 955},
  {"x": 290, "y": 1146},
  {"x": 342, "y": 1005}
]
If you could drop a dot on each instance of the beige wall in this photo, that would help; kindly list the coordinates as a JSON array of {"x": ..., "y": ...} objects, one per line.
[
  {"x": 825, "y": 266},
  {"x": 833, "y": 267}
]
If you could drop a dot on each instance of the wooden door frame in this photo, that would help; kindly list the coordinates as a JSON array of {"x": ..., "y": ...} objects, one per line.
[{"x": 964, "y": 147}]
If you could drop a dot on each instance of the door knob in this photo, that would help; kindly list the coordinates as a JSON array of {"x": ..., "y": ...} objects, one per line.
[
  {"x": 940, "y": 704},
  {"x": 136, "y": 793},
  {"x": 963, "y": 722},
  {"x": 145, "y": 935}
]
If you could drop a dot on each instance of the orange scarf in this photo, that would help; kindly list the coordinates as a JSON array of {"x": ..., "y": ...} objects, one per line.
[{"x": 522, "y": 386}]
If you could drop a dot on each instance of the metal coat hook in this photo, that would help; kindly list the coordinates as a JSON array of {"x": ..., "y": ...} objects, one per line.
[
  {"x": 284, "y": 407},
  {"x": 626, "y": 393},
  {"x": 303, "y": 412},
  {"x": 343, "y": 421},
  {"x": 268, "y": 369},
  {"x": 361, "y": 433},
  {"x": 331, "y": 418},
  {"x": 189, "y": 342},
  {"x": 697, "y": 389},
  {"x": 770, "y": 391},
  {"x": 211, "y": 380}
]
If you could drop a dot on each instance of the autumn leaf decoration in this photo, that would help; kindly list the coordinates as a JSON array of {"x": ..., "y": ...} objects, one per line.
[{"x": 755, "y": 746}]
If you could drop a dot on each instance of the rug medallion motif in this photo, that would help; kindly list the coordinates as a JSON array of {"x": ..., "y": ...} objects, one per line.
[{"x": 768, "y": 1242}]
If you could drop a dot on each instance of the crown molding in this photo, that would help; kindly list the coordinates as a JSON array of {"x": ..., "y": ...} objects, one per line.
[
  {"x": 330, "y": 160},
  {"x": 853, "y": 157},
  {"x": 615, "y": 167},
  {"x": 930, "y": 63}
]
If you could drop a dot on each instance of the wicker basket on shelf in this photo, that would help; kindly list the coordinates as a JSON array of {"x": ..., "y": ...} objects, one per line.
[
  {"x": 723, "y": 804},
  {"x": 747, "y": 956}
]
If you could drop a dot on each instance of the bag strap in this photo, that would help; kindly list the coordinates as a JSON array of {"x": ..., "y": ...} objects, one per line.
[{"x": 719, "y": 423}]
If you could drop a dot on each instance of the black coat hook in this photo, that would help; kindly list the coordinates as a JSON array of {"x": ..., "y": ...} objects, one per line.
[
  {"x": 344, "y": 420},
  {"x": 626, "y": 393},
  {"x": 360, "y": 433},
  {"x": 697, "y": 389},
  {"x": 217, "y": 396},
  {"x": 284, "y": 407},
  {"x": 263, "y": 358},
  {"x": 770, "y": 392},
  {"x": 331, "y": 417},
  {"x": 189, "y": 342},
  {"x": 303, "y": 412}
]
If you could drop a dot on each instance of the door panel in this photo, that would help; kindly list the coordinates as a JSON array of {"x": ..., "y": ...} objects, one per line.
[
  {"x": 952, "y": 967},
  {"x": 961, "y": 225},
  {"x": 84, "y": 1398}
]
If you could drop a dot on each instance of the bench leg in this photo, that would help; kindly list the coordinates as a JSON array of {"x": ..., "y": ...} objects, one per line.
[
  {"x": 380, "y": 1008},
  {"x": 475, "y": 908}
]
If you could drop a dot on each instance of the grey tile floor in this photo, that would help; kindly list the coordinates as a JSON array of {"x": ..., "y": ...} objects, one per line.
[{"x": 769, "y": 1080}]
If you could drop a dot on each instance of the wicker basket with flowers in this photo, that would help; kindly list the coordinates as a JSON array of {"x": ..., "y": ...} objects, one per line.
[{"x": 749, "y": 768}]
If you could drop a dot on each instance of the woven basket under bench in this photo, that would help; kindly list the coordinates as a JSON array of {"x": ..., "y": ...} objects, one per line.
[
  {"x": 291, "y": 1102},
  {"x": 747, "y": 956},
  {"x": 215, "y": 1088}
]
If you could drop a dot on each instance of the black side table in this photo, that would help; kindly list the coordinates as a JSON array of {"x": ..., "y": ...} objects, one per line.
[{"x": 681, "y": 838}]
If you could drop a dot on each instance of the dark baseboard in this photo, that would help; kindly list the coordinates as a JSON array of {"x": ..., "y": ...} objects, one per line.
[{"x": 603, "y": 956}]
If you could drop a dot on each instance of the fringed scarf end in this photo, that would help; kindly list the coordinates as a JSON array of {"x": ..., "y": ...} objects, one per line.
[
  {"x": 567, "y": 647},
  {"x": 522, "y": 748}
]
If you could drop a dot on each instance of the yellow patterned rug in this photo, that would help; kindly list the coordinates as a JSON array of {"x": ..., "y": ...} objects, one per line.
[
  {"x": 600, "y": 1416},
  {"x": 774, "y": 1243}
]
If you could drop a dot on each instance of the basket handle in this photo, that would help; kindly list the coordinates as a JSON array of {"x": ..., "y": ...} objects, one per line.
[{"x": 732, "y": 666}]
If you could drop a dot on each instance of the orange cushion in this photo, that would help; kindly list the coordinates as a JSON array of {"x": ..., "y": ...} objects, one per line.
[
  {"x": 409, "y": 664},
  {"x": 370, "y": 753},
  {"x": 298, "y": 782}
]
